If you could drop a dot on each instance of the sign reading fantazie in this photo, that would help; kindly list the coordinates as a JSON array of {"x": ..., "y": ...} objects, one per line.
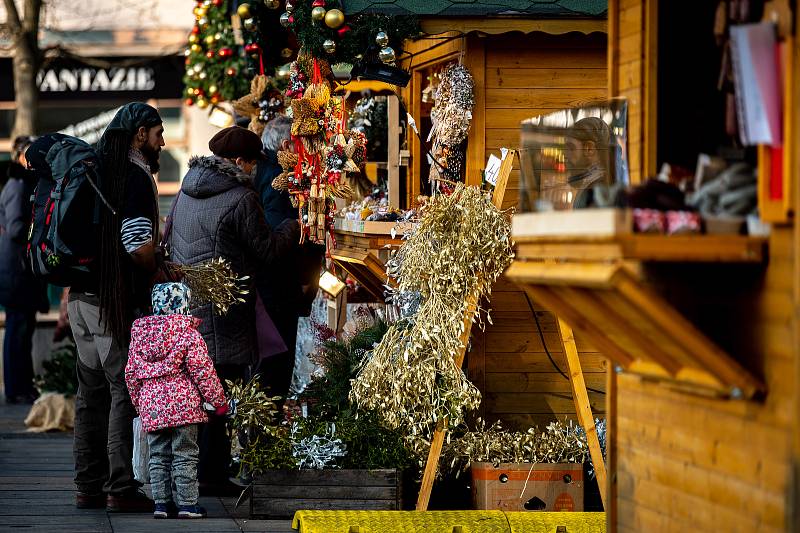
[{"x": 96, "y": 79}]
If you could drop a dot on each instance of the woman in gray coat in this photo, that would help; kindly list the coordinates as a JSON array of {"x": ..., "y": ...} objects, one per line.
[
  {"x": 20, "y": 293},
  {"x": 218, "y": 214}
]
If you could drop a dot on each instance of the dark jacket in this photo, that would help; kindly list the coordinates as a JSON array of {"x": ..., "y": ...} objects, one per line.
[
  {"x": 284, "y": 293},
  {"x": 19, "y": 289},
  {"x": 218, "y": 215}
]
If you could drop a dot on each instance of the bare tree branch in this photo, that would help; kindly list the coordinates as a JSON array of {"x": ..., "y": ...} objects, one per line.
[
  {"x": 12, "y": 16},
  {"x": 32, "y": 9}
]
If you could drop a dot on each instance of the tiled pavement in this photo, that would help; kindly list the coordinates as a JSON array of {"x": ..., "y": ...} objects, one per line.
[{"x": 37, "y": 494}]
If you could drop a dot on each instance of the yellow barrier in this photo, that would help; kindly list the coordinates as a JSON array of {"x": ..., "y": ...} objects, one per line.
[{"x": 447, "y": 522}]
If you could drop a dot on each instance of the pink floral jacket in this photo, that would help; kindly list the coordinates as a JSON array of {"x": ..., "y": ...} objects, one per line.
[{"x": 169, "y": 372}]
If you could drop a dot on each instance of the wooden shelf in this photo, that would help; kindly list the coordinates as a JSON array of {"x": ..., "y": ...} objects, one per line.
[{"x": 591, "y": 279}]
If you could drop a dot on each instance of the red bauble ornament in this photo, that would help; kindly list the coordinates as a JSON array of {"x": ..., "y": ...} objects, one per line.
[
  {"x": 344, "y": 29},
  {"x": 189, "y": 102},
  {"x": 199, "y": 93},
  {"x": 225, "y": 52},
  {"x": 217, "y": 3},
  {"x": 214, "y": 99},
  {"x": 231, "y": 72},
  {"x": 252, "y": 48},
  {"x": 210, "y": 54},
  {"x": 318, "y": 3},
  {"x": 291, "y": 19},
  {"x": 195, "y": 30}
]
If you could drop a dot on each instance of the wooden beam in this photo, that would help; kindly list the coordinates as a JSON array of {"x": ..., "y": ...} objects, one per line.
[
  {"x": 475, "y": 61},
  {"x": 582, "y": 406},
  {"x": 498, "y": 25}
]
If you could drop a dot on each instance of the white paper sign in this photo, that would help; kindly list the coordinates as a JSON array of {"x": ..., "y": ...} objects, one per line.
[{"x": 492, "y": 169}]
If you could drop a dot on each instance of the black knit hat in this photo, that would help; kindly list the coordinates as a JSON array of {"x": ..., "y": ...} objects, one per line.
[{"x": 234, "y": 142}]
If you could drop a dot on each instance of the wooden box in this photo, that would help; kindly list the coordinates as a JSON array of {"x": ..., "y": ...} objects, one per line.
[
  {"x": 279, "y": 493},
  {"x": 517, "y": 487}
]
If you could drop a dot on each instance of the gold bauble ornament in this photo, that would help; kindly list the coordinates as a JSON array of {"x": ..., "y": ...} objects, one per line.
[
  {"x": 210, "y": 39},
  {"x": 286, "y": 53},
  {"x": 196, "y": 48},
  {"x": 193, "y": 38},
  {"x": 318, "y": 13},
  {"x": 329, "y": 46},
  {"x": 218, "y": 36},
  {"x": 250, "y": 24},
  {"x": 212, "y": 89},
  {"x": 244, "y": 11},
  {"x": 202, "y": 11},
  {"x": 202, "y": 104},
  {"x": 334, "y": 18},
  {"x": 272, "y": 4}
]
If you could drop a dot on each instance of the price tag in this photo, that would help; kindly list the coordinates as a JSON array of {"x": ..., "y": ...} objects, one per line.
[{"x": 492, "y": 169}]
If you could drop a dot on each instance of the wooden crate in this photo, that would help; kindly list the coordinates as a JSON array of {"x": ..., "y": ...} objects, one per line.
[
  {"x": 279, "y": 493},
  {"x": 526, "y": 487}
]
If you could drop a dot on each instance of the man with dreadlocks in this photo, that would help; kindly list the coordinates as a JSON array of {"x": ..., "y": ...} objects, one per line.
[{"x": 101, "y": 311}]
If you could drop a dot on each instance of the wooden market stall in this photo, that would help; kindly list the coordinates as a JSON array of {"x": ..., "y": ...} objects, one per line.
[
  {"x": 701, "y": 330},
  {"x": 538, "y": 58}
]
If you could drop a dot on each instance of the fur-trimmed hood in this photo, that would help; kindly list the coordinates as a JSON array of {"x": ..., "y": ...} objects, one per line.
[{"x": 212, "y": 175}]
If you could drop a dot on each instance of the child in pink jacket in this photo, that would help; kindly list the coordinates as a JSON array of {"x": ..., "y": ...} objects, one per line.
[{"x": 169, "y": 376}]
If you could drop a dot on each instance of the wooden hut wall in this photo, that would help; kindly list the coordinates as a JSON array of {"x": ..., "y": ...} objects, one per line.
[
  {"x": 518, "y": 76},
  {"x": 688, "y": 463}
]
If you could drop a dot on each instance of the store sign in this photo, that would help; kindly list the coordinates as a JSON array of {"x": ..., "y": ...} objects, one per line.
[
  {"x": 97, "y": 80},
  {"x": 67, "y": 79}
]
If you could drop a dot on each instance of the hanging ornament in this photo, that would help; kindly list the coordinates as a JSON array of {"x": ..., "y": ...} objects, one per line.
[
  {"x": 217, "y": 3},
  {"x": 196, "y": 48},
  {"x": 252, "y": 48},
  {"x": 206, "y": 3},
  {"x": 287, "y": 53},
  {"x": 329, "y": 46},
  {"x": 344, "y": 29},
  {"x": 210, "y": 39},
  {"x": 382, "y": 39},
  {"x": 202, "y": 104},
  {"x": 212, "y": 89},
  {"x": 187, "y": 52},
  {"x": 202, "y": 75},
  {"x": 244, "y": 11},
  {"x": 189, "y": 102},
  {"x": 250, "y": 24},
  {"x": 202, "y": 12},
  {"x": 217, "y": 36},
  {"x": 203, "y": 23},
  {"x": 225, "y": 52},
  {"x": 387, "y": 55},
  {"x": 318, "y": 13},
  {"x": 272, "y": 4},
  {"x": 231, "y": 72},
  {"x": 210, "y": 54},
  {"x": 196, "y": 12},
  {"x": 215, "y": 99},
  {"x": 285, "y": 20},
  {"x": 197, "y": 68},
  {"x": 334, "y": 18},
  {"x": 195, "y": 30},
  {"x": 193, "y": 39},
  {"x": 289, "y": 7}
]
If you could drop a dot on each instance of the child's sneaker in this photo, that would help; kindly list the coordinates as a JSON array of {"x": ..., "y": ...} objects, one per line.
[
  {"x": 191, "y": 511},
  {"x": 161, "y": 511}
]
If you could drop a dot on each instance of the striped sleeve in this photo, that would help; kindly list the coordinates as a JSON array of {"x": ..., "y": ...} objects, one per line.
[{"x": 136, "y": 232}]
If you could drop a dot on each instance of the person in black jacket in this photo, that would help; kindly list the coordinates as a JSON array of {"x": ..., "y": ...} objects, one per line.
[
  {"x": 288, "y": 294},
  {"x": 21, "y": 294},
  {"x": 218, "y": 214}
]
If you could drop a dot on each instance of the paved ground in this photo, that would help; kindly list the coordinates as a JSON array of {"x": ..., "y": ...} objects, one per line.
[{"x": 37, "y": 494}]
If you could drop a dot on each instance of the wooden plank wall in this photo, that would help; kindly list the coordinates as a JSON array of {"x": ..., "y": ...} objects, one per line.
[
  {"x": 687, "y": 463},
  {"x": 517, "y": 77}
]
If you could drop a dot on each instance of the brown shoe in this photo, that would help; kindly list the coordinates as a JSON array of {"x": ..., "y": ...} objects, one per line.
[
  {"x": 84, "y": 500},
  {"x": 133, "y": 501}
]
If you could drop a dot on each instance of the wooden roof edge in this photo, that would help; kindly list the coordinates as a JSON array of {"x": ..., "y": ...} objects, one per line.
[{"x": 507, "y": 24}]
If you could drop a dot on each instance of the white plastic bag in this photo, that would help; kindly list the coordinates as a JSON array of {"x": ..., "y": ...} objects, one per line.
[{"x": 141, "y": 453}]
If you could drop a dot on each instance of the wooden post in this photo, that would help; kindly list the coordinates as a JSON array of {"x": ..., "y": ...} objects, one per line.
[
  {"x": 582, "y": 406},
  {"x": 432, "y": 464}
]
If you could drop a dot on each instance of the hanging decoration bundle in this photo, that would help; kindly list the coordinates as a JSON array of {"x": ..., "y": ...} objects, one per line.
[
  {"x": 264, "y": 102},
  {"x": 458, "y": 249},
  {"x": 215, "y": 282},
  {"x": 324, "y": 152},
  {"x": 451, "y": 116}
]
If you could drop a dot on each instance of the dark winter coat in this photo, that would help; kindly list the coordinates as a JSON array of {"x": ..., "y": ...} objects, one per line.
[
  {"x": 218, "y": 214},
  {"x": 19, "y": 289}
]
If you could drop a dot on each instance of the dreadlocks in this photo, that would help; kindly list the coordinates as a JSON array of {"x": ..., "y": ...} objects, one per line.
[{"x": 114, "y": 272}]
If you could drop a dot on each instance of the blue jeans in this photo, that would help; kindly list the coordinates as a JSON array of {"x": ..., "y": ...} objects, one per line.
[
  {"x": 173, "y": 458},
  {"x": 17, "y": 347}
]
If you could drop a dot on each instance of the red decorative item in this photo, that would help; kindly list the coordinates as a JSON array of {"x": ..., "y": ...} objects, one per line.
[
  {"x": 318, "y": 3},
  {"x": 649, "y": 221},
  {"x": 344, "y": 29},
  {"x": 231, "y": 71},
  {"x": 225, "y": 52},
  {"x": 683, "y": 222},
  {"x": 189, "y": 102},
  {"x": 215, "y": 99},
  {"x": 196, "y": 30},
  {"x": 291, "y": 19},
  {"x": 217, "y": 3},
  {"x": 200, "y": 93},
  {"x": 252, "y": 48},
  {"x": 210, "y": 54}
]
